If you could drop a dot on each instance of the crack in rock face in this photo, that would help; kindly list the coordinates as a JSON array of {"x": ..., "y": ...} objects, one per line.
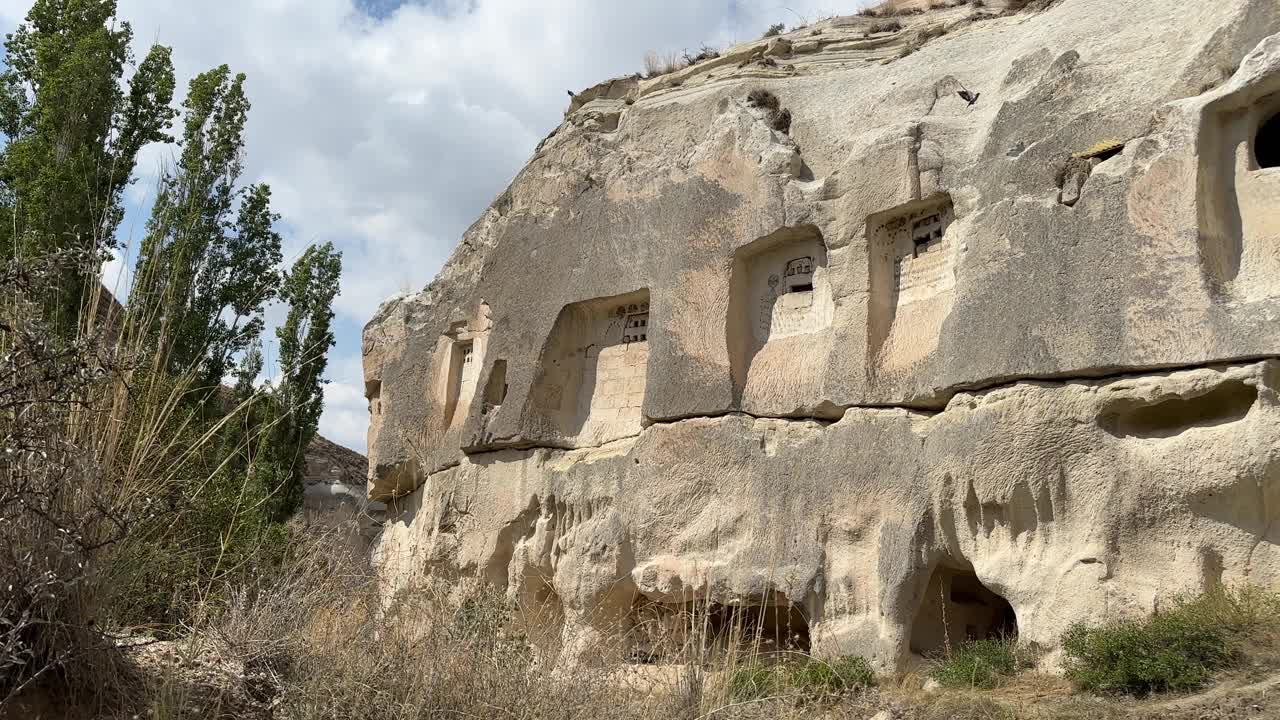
[{"x": 902, "y": 371}]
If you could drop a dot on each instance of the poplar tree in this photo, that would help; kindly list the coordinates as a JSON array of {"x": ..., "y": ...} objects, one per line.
[
  {"x": 305, "y": 338},
  {"x": 207, "y": 266},
  {"x": 73, "y": 134}
]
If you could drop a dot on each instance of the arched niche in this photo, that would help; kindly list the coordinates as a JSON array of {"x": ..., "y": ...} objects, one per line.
[
  {"x": 957, "y": 608},
  {"x": 594, "y": 369}
]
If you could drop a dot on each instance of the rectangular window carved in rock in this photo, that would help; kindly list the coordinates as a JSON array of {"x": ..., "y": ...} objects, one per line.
[
  {"x": 594, "y": 368},
  {"x": 912, "y": 280},
  {"x": 799, "y": 275}
]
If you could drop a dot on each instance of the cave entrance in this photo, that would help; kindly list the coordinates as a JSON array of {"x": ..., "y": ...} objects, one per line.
[
  {"x": 1266, "y": 145},
  {"x": 957, "y": 608},
  {"x": 663, "y": 633}
]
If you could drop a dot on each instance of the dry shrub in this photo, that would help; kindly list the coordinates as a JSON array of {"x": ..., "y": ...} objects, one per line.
[
  {"x": 658, "y": 64},
  {"x": 706, "y": 52},
  {"x": 66, "y": 500},
  {"x": 96, "y": 451},
  {"x": 762, "y": 98},
  {"x": 320, "y": 642},
  {"x": 1014, "y": 6},
  {"x": 885, "y": 27},
  {"x": 324, "y": 641}
]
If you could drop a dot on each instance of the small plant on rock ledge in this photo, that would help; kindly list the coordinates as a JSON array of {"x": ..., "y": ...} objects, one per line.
[
  {"x": 656, "y": 64},
  {"x": 774, "y": 30},
  {"x": 778, "y": 117},
  {"x": 706, "y": 52},
  {"x": 781, "y": 121},
  {"x": 762, "y": 98},
  {"x": 884, "y": 27}
]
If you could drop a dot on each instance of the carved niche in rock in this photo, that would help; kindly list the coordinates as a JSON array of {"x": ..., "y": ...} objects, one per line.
[
  {"x": 781, "y": 301},
  {"x": 912, "y": 280},
  {"x": 1239, "y": 191},
  {"x": 594, "y": 369}
]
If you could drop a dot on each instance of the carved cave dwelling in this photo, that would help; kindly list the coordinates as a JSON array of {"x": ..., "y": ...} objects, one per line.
[{"x": 864, "y": 383}]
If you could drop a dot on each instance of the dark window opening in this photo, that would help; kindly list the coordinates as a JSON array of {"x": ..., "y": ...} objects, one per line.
[
  {"x": 798, "y": 275},
  {"x": 1266, "y": 146},
  {"x": 495, "y": 390},
  {"x": 925, "y": 234},
  {"x": 636, "y": 326},
  {"x": 925, "y": 243}
]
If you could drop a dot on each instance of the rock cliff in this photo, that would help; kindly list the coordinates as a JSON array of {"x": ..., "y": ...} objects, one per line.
[{"x": 881, "y": 336}]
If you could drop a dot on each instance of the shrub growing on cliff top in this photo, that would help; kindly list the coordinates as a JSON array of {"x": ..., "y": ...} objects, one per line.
[{"x": 656, "y": 64}]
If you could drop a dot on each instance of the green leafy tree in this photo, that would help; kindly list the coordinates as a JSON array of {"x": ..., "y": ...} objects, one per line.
[
  {"x": 73, "y": 136},
  {"x": 305, "y": 338},
  {"x": 207, "y": 269}
]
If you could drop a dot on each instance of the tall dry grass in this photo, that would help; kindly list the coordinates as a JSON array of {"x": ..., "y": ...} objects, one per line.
[
  {"x": 98, "y": 458},
  {"x": 321, "y": 642},
  {"x": 656, "y": 64}
]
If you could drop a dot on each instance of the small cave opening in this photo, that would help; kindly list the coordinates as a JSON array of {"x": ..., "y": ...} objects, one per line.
[
  {"x": 1228, "y": 403},
  {"x": 1266, "y": 145},
  {"x": 664, "y": 632},
  {"x": 957, "y": 608},
  {"x": 495, "y": 389}
]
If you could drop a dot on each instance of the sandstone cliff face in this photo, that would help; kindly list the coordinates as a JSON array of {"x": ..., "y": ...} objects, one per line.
[{"x": 908, "y": 370}]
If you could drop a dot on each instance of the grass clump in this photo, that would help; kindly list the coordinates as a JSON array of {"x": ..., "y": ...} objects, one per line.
[
  {"x": 885, "y": 27},
  {"x": 982, "y": 664},
  {"x": 778, "y": 117},
  {"x": 837, "y": 676},
  {"x": 1174, "y": 651},
  {"x": 762, "y": 98},
  {"x": 809, "y": 679},
  {"x": 774, "y": 30},
  {"x": 659, "y": 64}
]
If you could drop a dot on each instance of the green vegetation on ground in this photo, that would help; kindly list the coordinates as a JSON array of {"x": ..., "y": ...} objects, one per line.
[
  {"x": 982, "y": 663},
  {"x": 1175, "y": 650}
]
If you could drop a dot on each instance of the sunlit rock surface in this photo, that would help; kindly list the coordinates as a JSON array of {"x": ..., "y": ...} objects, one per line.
[{"x": 912, "y": 370}]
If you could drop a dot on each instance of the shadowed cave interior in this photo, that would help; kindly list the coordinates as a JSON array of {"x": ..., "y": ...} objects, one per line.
[{"x": 958, "y": 608}]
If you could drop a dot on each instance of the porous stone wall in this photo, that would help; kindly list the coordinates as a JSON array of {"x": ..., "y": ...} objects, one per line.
[{"x": 986, "y": 341}]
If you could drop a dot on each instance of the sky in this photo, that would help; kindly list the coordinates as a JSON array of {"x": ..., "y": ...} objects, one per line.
[{"x": 388, "y": 126}]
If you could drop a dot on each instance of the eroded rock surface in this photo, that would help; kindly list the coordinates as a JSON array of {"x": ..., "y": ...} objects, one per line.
[{"x": 906, "y": 370}]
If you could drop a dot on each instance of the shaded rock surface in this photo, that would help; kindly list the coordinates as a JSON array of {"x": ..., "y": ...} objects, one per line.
[{"x": 903, "y": 370}]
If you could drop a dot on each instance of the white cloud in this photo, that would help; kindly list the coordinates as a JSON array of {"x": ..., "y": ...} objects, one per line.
[
  {"x": 389, "y": 135},
  {"x": 346, "y": 414}
]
